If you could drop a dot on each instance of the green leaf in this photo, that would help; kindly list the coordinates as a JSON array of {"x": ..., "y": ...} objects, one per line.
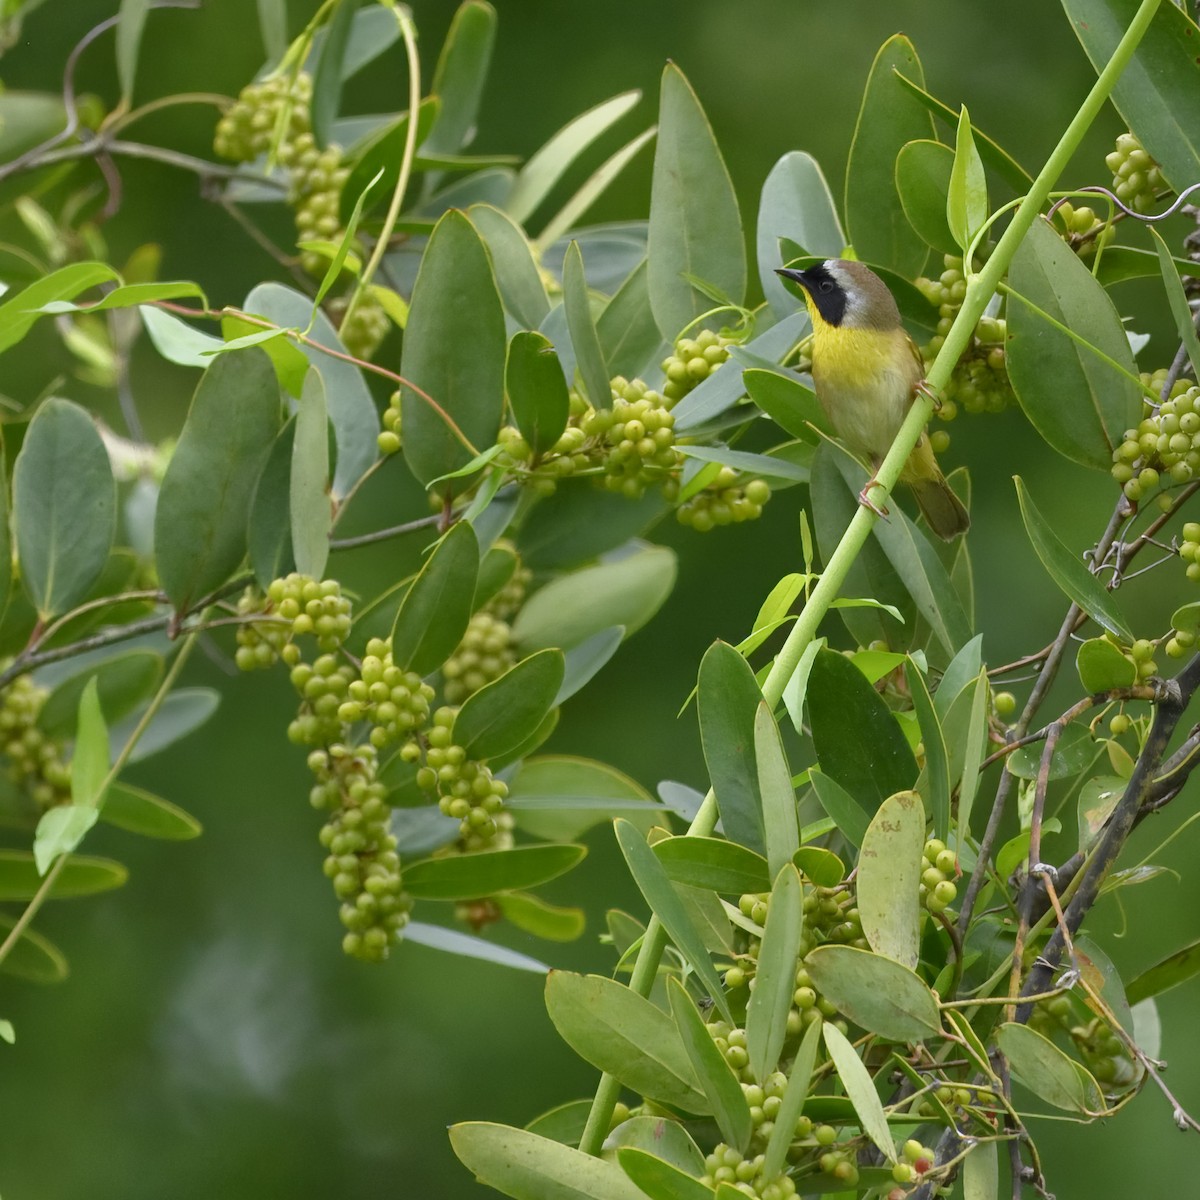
[
  {"x": 454, "y": 304},
  {"x": 1154, "y": 92},
  {"x": 1072, "y": 578},
  {"x": 665, "y": 903},
  {"x": 272, "y": 25},
  {"x": 1079, "y": 402},
  {"x": 181, "y": 713},
  {"x": 937, "y": 762},
  {"x": 124, "y": 681},
  {"x": 309, "y": 502},
  {"x": 727, "y": 699},
  {"x": 981, "y": 1172},
  {"x": 548, "y": 165},
  {"x": 534, "y": 915},
  {"x": 610, "y": 1026},
  {"x": 451, "y": 941},
  {"x": 890, "y": 116},
  {"x": 845, "y": 811},
  {"x": 33, "y": 958},
  {"x": 81, "y": 875},
  {"x": 1046, "y": 1071},
  {"x": 527, "y": 1167},
  {"x": 974, "y": 743},
  {"x": 712, "y": 863},
  {"x": 1102, "y": 666},
  {"x": 1097, "y": 799},
  {"x": 750, "y": 464},
  {"x": 537, "y": 390},
  {"x": 966, "y": 198},
  {"x": 695, "y": 227},
  {"x": 923, "y": 171},
  {"x": 889, "y": 878},
  {"x": 18, "y": 314},
  {"x": 517, "y": 275},
  {"x": 269, "y": 537},
  {"x": 658, "y": 1179},
  {"x": 626, "y": 591},
  {"x": 89, "y": 759},
  {"x": 461, "y": 73},
  {"x": 1074, "y": 750},
  {"x": 138, "y": 811},
  {"x": 775, "y": 980},
  {"x": 629, "y": 339},
  {"x": 860, "y": 1088},
  {"x": 877, "y": 992},
  {"x": 564, "y": 1123},
  {"x": 1178, "y": 299},
  {"x": 508, "y": 710},
  {"x": 558, "y": 798},
  {"x": 583, "y": 523},
  {"x": 27, "y": 119},
  {"x": 486, "y": 872},
  {"x": 435, "y": 611},
  {"x": 819, "y": 865},
  {"x": 177, "y": 341},
  {"x": 200, "y": 521},
  {"x": 130, "y": 295},
  {"x": 1167, "y": 973},
  {"x": 384, "y": 151},
  {"x": 64, "y": 507},
  {"x": 780, "y": 822},
  {"x": 792, "y": 1105},
  {"x": 858, "y": 741},
  {"x": 590, "y": 366},
  {"x": 667, "y": 1141},
  {"x": 726, "y": 1100},
  {"x": 328, "y": 71},
  {"x": 791, "y": 405},
  {"x": 964, "y": 668},
  {"x": 584, "y": 661},
  {"x": 351, "y": 409},
  {"x": 795, "y": 203}
]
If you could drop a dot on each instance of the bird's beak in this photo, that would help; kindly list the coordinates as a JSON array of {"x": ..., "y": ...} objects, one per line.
[{"x": 800, "y": 277}]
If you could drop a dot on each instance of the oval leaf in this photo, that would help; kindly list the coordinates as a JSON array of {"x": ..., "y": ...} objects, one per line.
[
  {"x": 889, "y": 878},
  {"x": 610, "y": 1026},
  {"x": 200, "y": 521},
  {"x": 559, "y": 797},
  {"x": 658, "y": 1179},
  {"x": 775, "y": 980},
  {"x": 923, "y": 181},
  {"x": 33, "y": 958},
  {"x": 714, "y": 864},
  {"x": 64, "y": 506},
  {"x": 1045, "y": 1070},
  {"x": 1080, "y": 403},
  {"x": 470, "y": 876},
  {"x": 590, "y": 367},
  {"x": 695, "y": 227},
  {"x": 860, "y": 1088},
  {"x": 80, "y": 876},
  {"x": 1102, "y": 666},
  {"x": 309, "y": 501},
  {"x": 508, "y": 710},
  {"x": 455, "y": 305},
  {"x": 875, "y": 992},
  {"x": 537, "y": 390},
  {"x": 138, "y": 811},
  {"x": 122, "y": 682}
]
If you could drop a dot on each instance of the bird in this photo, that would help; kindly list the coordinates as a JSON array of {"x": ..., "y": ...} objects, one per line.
[{"x": 866, "y": 371}]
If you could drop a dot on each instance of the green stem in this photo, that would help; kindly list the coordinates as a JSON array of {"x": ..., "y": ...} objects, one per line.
[
  {"x": 406, "y": 162},
  {"x": 980, "y": 288}
]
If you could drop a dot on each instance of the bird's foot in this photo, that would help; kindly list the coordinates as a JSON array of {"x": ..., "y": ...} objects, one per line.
[
  {"x": 864, "y": 498},
  {"x": 922, "y": 388}
]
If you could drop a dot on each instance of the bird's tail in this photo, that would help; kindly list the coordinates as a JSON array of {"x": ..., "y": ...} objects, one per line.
[{"x": 945, "y": 512}]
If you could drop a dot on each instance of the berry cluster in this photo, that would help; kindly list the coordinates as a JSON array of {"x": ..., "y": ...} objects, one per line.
[
  {"x": 248, "y": 128},
  {"x": 1102, "y": 1051},
  {"x": 395, "y": 702},
  {"x": 389, "y": 439},
  {"x": 35, "y": 761},
  {"x": 980, "y": 380},
  {"x": 726, "y": 1165},
  {"x": 638, "y": 436},
  {"x": 505, "y": 603},
  {"x": 938, "y": 865},
  {"x": 1086, "y": 232},
  {"x": 362, "y": 862},
  {"x": 315, "y": 176},
  {"x": 294, "y": 606},
  {"x": 324, "y": 686},
  {"x": 724, "y": 501},
  {"x": 1137, "y": 179},
  {"x": 368, "y": 324},
  {"x": 484, "y": 654},
  {"x": 692, "y": 361},
  {"x": 1165, "y": 443},
  {"x": 465, "y": 789}
]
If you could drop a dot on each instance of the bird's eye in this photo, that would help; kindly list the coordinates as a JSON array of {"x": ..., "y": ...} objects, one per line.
[{"x": 826, "y": 285}]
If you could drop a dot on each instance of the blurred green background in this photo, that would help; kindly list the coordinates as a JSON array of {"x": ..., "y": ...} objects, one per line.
[{"x": 212, "y": 1039}]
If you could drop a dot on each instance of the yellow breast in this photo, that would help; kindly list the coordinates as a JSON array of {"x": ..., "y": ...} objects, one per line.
[{"x": 864, "y": 379}]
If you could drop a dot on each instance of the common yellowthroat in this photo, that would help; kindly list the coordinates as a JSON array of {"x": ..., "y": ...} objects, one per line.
[{"x": 866, "y": 370}]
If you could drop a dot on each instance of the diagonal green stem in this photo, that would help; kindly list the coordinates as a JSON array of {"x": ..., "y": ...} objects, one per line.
[{"x": 980, "y": 288}]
